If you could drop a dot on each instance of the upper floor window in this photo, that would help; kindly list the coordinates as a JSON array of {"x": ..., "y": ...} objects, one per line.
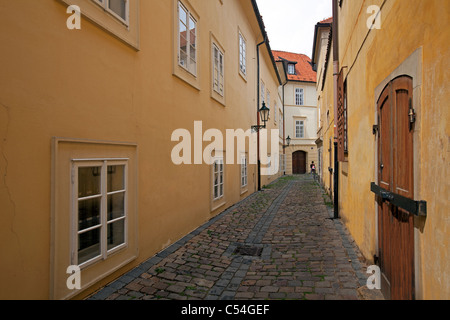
[
  {"x": 291, "y": 68},
  {"x": 299, "y": 98},
  {"x": 117, "y": 8},
  {"x": 299, "y": 129},
  {"x": 187, "y": 43},
  {"x": 218, "y": 76},
  {"x": 242, "y": 54}
]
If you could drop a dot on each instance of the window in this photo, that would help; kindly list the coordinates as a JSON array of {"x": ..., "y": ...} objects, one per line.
[
  {"x": 342, "y": 120},
  {"x": 242, "y": 54},
  {"x": 268, "y": 102},
  {"x": 99, "y": 214},
  {"x": 187, "y": 42},
  {"x": 218, "y": 179},
  {"x": 243, "y": 171},
  {"x": 299, "y": 97},
  {"x": 345, "y": 118},
  {"x": 117, "y": 8},
  {"x": 218, "y": 70},
  {"x": 299, "y": 129},
  {"x": 291, "y": 68}
]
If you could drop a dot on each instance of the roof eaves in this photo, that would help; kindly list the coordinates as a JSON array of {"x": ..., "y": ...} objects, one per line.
[{"x": 266, "y": 38}]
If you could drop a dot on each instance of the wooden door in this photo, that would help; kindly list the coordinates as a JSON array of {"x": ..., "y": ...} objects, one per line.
[
  {"x": 395, "y": 174},
  {"x": 299, "y": 162}
]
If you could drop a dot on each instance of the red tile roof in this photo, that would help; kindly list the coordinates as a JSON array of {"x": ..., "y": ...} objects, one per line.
[
  {"x": 303, "y": 67},
  {"x": 329, "y": 20}
]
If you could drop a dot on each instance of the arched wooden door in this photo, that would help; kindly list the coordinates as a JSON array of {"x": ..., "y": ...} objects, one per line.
[
  {"x": 396, "y": 175},
  {"x": 299, "y": 162}
]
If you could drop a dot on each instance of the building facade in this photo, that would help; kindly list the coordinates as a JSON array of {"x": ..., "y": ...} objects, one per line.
[
  {"x": 109, "y": 112},
  {"x": 391, "y": 132},
  {"x": 300, "y": 111}
]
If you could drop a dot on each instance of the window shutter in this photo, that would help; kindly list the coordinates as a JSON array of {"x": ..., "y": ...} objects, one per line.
[{"x": 341, "y": 117}]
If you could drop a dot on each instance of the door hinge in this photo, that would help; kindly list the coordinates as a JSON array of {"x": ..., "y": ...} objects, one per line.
[
  {"x": 411, "y": 114},
  {"x": 375, "y": 129},
  {"x": 418, "y": 208}
]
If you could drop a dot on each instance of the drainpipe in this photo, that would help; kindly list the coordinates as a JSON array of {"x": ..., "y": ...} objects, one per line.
[
  {"x": 335, "y": 76},
  {"x": 257, "y": 108}
]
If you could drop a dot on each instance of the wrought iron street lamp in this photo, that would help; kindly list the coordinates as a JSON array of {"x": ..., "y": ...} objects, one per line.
[
  {"x": 264, "y": 114},
  {"x": 288, "y": 140}
]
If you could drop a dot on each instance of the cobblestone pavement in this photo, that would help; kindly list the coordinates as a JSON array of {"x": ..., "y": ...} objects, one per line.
[{"x": 279, "y": 243}]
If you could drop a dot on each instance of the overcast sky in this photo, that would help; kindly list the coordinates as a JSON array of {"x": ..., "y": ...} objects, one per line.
[{"x": 290, "y": 23}]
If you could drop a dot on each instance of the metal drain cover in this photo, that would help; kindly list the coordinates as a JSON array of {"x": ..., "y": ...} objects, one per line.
[{"x": 248, "y": 251}]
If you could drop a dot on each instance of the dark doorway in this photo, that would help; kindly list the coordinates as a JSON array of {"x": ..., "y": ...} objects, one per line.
[{"x": 299, "y": 162}]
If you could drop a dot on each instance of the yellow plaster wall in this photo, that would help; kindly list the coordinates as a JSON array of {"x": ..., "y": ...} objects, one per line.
[
  {"x": 87, "y": 84},
  {"x": 370, "y": 57}
]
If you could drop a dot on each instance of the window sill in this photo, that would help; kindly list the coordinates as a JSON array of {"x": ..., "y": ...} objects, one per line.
[
  {"x": 217, "y": 206},
  {"x": 128, "y": 34}
]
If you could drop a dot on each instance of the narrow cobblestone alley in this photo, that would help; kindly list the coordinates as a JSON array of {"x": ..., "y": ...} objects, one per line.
[{"x": 277, "y": 244}]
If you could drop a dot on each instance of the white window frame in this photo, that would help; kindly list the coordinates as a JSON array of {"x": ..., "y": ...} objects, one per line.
[
  {"x": 242, "y": 54},
  {"x": 300, "y": 129},
  {"x": 268, "y": 102},
  {"x": 218, "y": 70},
  {"x": 291, "y": 68},
  {"x": 244, "y": 171},
  {"x": 104, "y": 251},
  {"x": 105, "y": 5},
  {"x": 299, "y": 97},
  {"x": 189, "y": 16},
  {"x": 221, "y": 178}
]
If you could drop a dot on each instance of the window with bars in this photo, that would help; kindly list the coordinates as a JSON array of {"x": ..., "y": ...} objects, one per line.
[
  {"x": 117, "y": 8},
  {"x": 342, "y": 121},
  {"x": 187, "y": 43},
  {"x": 99, "y": 215}
]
